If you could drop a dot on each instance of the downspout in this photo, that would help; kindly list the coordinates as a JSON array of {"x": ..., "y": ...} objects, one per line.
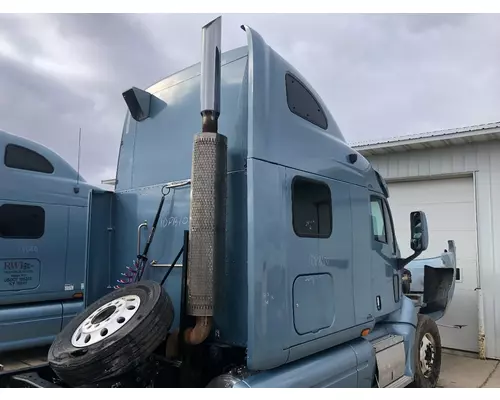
[{"x": 480, "y": 301}]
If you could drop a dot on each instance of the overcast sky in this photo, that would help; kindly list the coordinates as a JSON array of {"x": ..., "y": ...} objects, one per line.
[{"x": 380, "y": 75}]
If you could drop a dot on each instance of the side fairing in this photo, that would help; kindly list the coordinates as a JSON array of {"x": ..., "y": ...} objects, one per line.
[{"x": 99, "y": 245}]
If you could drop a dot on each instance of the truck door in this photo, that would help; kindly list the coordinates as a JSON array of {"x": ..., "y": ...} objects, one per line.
[
  {"x": 385, "y": 278},
  {"x": 319, "y": 257}
]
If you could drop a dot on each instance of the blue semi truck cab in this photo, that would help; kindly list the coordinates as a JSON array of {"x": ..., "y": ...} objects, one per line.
[
  {"x": 258, "y": 252},
  {"x": 43, "y": 213}
]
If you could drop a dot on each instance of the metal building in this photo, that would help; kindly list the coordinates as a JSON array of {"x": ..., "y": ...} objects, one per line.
[{"x": 454, "y": 176}]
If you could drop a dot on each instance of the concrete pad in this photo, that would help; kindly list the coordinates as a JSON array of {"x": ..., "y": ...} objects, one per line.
[
  {"x": 494, "y": 380},
  {"x": 467, "y": 372}
]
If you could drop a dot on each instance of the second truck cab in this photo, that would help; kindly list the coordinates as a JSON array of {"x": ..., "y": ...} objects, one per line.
[{"x": 43, "y": 213}]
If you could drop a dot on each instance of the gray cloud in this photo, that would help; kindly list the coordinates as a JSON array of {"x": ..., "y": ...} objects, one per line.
[{"x": 381, "y": 75}]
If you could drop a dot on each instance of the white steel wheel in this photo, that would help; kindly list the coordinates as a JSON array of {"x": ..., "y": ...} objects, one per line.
[{"x": 105, "y": 321}]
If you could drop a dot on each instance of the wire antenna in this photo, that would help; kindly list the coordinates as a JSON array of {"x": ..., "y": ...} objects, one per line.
[
  {"x": 79, "y": 154},
  {"x": 77, "y": 187}
]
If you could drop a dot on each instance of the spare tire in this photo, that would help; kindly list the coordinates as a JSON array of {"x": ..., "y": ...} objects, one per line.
[{"x": 112, "y": 336}]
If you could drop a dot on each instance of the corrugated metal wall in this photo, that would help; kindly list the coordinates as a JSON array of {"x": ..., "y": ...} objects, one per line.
[{"x": 482, "y": 159}]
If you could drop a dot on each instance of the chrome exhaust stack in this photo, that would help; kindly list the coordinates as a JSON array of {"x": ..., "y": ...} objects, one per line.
[
  {"x": 211, "y": 38},
  {"x": 207, "y": 227}
]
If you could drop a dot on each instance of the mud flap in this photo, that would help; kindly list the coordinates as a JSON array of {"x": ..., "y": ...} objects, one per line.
[
  {"x": 100, "y": 231},
  {"x": 433, "y": 279}
]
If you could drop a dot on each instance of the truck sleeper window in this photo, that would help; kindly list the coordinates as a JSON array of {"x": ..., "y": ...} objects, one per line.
[
  {"x": 18, "y": 221},
  {"x": 22, "y": 158},
  {"x": 378, "y": 221},
  {"x": 302, "y": 102},
  {"x": 311, "y": 208}
]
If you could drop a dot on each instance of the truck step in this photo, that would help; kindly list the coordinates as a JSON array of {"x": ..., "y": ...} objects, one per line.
[
  {"x": 31, "y": 380},
  {"x": 401, "y": 382},
  {"x": 19, "y": 361}
]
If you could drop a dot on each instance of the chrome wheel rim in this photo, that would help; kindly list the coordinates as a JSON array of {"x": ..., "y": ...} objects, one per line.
[
  {"x": 427, "y": 354},
  {"x": 105, "y": 321}
]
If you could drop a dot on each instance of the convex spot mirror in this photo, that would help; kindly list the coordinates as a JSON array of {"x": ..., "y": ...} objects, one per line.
[{"x": 419, "y": 232}]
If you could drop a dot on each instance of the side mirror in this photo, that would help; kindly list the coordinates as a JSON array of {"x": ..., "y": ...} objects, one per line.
[{"x": 419, "y": 233}]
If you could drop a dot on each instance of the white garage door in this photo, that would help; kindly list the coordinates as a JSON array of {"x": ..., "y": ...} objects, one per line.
[{"x": 450, "y": 210}]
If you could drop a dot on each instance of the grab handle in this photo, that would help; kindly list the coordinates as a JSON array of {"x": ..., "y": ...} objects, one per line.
[{"x": 143, "y": 225}]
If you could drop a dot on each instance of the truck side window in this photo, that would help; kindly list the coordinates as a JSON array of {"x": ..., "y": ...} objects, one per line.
[
  {"x": 18, "y": 221},
  {"x": 311, "y": 208},
  {"x": 378, "y": 220},
  {"x": 302, "y": 102},
  {"x": 22, "y": 158}
]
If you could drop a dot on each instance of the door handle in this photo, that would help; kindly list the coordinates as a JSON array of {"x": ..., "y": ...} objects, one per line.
[{"x": 139, "y": 228}]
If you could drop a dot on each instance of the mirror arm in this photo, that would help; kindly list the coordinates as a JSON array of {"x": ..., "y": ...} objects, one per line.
[{"x": 403, "y": 262}]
